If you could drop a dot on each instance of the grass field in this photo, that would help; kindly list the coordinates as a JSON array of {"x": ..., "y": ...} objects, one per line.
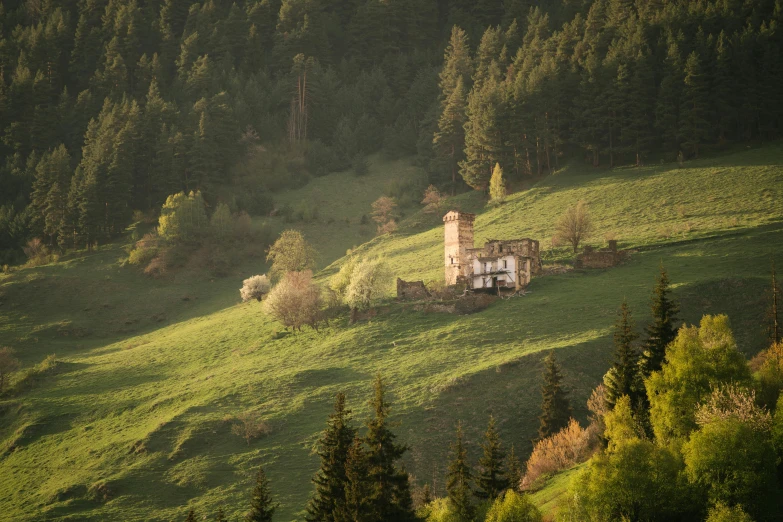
[{"x": 134, "y": 423}]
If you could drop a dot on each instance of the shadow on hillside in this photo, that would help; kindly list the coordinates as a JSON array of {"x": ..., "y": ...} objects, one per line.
[{"x": 504, "y": 392}]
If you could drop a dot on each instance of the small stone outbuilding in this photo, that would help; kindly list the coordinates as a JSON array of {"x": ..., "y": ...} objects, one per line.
[
  {"x": 411, "y": 291},
  {"x": 603, "y": 258}
]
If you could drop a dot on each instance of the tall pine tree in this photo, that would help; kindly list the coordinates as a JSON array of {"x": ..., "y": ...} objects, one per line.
[
  {"x": 624, "y": 377},
  {"x": 491, "y": 480},
  {"x": 330, "y": 481},
  {"x": 262, "y": 507},
  {"x": 663, "y": 329},
  {"x": 358, "y": 490},
  {"x": 388, "y": 484},
  {"x": 458, "y": 480},
  {"x": 694, "y": 122},
  {"x": 775, "y": 328},
  {"x": 555, "y": 407}
]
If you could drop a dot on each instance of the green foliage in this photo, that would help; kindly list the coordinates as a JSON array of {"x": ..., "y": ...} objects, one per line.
[
  {"x": 513, "y": 507},
  {"x": 699, "y": 358},
  {"x": 555, "y": 407},
  {"x": 734, "y": 463},
  {"x": 724, "y": 513},
  {"x": 497, "y": 186},
  {"x": 638, "y": 480},
  {"x": 441, "y": 510},
  {"x": 183, "y": 217},
  {"x": 621, "y": 426},
  {"x": 290, "y": 253}
]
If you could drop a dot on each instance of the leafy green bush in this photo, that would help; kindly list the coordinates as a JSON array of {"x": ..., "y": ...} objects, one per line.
[
  {"x": 513, "y": 507},
  {"x": 183, "y": 217}
]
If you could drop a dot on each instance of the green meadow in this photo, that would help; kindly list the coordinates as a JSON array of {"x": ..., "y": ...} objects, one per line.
[{"x": 133, "y": 421}]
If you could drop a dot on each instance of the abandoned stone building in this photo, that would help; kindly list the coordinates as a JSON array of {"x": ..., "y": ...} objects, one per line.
[
  {"x": 603, "y": 258},
  {"x": 499, "y": 264}
]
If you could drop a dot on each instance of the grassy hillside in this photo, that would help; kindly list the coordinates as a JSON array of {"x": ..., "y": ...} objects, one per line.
[{"x": 134, "y": 422}]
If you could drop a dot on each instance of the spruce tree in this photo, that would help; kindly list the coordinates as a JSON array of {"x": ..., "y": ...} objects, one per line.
[
  {"x": 191, "y": 516},
  {"x": 449, "y": 139},
  {"x": 457, "y": 64},
  {"x": 262, "y": 507},
  {"x": 458, "y": 480},
  {"x": 624, "y": 377},
  {"x": 775, "y": 328},
  {"x": 663, "y": 328},
  {"x": 555, "y": 407},
  {"x": 491, "y": 480},
  {"x": 388, "y": 485},
  {"x": 483, "y": 136},
  {"x": 514, "y": 470},
  {"x": 694, "y": 122},
  {"x": 330, "y": 481},
  {"x": 667, "y": 109},
  {"x": 356, "y": 507}
]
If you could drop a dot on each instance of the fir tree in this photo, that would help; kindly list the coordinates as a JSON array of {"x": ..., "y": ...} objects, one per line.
[
  {"x": 491, "y": 480},
  {"x": 694, "y": 123},
  {"x": 262, "y": 507},
  {"x": 449, "y": 139},
  {"x": 388, "y": 485},
  {"x": 191, "y": 516},
  {"x": 667, "y": 110},
  {"x": 330, "y": 481},
  {"x": 514, "y": 470},
  {"x": 497, "y": 186},
  {"x": 775, "y": 328},
  {"x": 663, "y": 328},
  {"x": 555, "y": 407},
  {"x": 458, "y": 480},
  {"x": 624, "y": 377},
  {"x": 356, "y": 507},
  {"x": 457, "y": 64},
  {"x": 483, "y": 135}
]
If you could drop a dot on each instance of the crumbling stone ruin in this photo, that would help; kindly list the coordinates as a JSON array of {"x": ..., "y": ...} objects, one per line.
[
  {"x": 499, "y": 264},
  {"x": 411, "y": 291},
  {"x": 604, "y": 258}
]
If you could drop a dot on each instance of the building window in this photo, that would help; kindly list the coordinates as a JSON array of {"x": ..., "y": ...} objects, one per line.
[
  {"x": 505, "y": 264},
  {"x": 501, "y": 248},
  {"x": 452, "y": 260}
]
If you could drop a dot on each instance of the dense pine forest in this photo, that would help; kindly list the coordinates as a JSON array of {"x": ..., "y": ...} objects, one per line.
[{"x": 108, "y": 107}]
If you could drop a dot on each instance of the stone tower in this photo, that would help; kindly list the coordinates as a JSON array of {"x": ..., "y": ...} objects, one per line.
[{"x": 458, "y": 239}]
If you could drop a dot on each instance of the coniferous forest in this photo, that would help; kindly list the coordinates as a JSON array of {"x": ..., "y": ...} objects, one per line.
[{"x": 107, "y": 107}]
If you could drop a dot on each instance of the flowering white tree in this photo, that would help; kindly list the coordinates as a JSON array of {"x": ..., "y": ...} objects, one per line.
[
  {"x": 255, "y": 287},
  {"x": 370, "y": 279}
]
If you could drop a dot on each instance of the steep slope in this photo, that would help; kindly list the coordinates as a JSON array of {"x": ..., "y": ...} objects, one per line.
[{"x": 135, "y": 421}]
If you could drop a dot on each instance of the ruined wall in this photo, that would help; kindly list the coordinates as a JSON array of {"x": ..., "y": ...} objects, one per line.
[
  {"x": 458, "y": 239},
  {"x": 604, "y": 258},
  {"x": 413, "y": 290}
]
